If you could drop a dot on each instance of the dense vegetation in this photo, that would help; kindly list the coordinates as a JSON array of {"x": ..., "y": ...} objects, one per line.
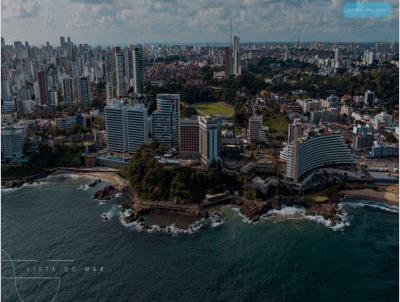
[
  {"x": 153, "y": 181},
  {"x": 276, "y": 122},
  {"x": 263, "y": 66},
  {"x": 47, "y": 158}
]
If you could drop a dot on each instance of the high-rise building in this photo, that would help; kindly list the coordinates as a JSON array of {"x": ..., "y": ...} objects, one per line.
[
  {"x": 115, "y": 127},
  {"x": 67, "y": 90},
  {"x": 85, "y": 93},
  {"x": 209, "y": 139},
  {"x": 368, "y": 57},
  {"x": 236, "y": 56},
  {"x": 227, "y": 62},
  {"x": 43, "y": 88},
  {"x": 126, "y": 127},
  {"x": 363, "y": 142},
  {"x": 5, "y": 86},
  {"x": 134, "y": 70},
  {"x": 295, "y": 130},
  {"x": 189, "y": 138},
  {"x": 255, "y": 126},
  {"x": 120, "y": 71},
  {"x": 137, "y": 127},
  {"x": 109, "y": 91},
  {"x": 369, "y": 98},
  {"x": 62, "y": 42},
  {"x": 383, "y": 119},
  {"x": 12, "y": 142},
  {"x": 53, "y": 98},
  {"x": 309, "y": 153},
  {"x": 166, "y": 121},
  {"x": 338, "y": 57},
  {"x": 138, "y": 69},
  {"x": 128, "y": 65}
]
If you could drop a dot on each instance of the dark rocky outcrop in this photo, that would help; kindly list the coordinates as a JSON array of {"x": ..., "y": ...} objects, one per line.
[
  {"x": 107, "y": 193},
  {"x": 253, "y": 209},
  {"x": 18, "y": 182}
]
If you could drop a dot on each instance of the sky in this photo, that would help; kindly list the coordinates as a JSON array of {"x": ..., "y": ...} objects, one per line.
[{"x": 113, "y": 22}]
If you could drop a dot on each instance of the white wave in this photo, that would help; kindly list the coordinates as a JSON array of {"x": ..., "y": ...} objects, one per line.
[
  {"x": 216, "y": 220},
  {"x": 36, "y": 183},
  {"x": 287, "y": 211},
  {"x": 64, "y": 176},
  {"x": 83, "y": 188},
  {"x": 245, "y": 219},
  {"x": 170, "y": 229},
  {"x": 107, "y": 216},
  {"x": 385, "y": 208},
  {"x": 9, "y": 190},
  {"x": 292, "y": 212}
]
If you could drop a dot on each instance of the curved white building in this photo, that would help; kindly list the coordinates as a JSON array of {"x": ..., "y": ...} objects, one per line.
[{"x": 310, "y": 153}]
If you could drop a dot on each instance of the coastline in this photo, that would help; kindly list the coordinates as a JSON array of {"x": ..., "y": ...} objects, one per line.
[
  {"x": 146, "y": 215},
  {"x": 110, "y": 176},
  {"x": 389, "y": 194}
]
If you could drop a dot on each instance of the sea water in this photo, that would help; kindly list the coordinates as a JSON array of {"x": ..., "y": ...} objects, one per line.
[{"x": 57, "y": 246}]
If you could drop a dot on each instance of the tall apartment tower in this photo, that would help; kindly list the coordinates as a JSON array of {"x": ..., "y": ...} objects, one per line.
[
  {"x": 67, "y": 90},
  {"x": 227, "y": 62},
  {"x": 166, "y": 121},
  {"x": 5, "y": 86},
  {"x": 209, "y": 139},
  {"x": 62, "y": 42},
  {"x": 295, "y": 130},
  {"x": 43, "y": 87},
  {"x": 109, "y": 91},
  {"x": 369, "y": 98},
  {"x": 134, "y": 70},
  {"x": 255, "y": 126},
  {"x": 85, "y": 93},
  {"x": 128, "y": 66},
  {"x": 126, "y": 127},
  {"x": 236, "y": 56},
  {"x": 120, "y": 71},
  {"x": 138, "y": 69},
  {"x": 189, "y": 138},
  {"x": 115, "y": 127},
  {"x": 137, "y": 127}
]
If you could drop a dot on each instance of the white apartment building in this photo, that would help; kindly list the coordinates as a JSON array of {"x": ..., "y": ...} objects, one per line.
[
  {"x": 126, "y": 127},
  {"x": 12, "y": 142},
  {"x": 166, "y": 121},
  {"x": 209, "y": 139}
]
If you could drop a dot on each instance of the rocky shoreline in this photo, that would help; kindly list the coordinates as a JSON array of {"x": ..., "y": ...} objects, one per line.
[
  {"x": 252, "y": 211},
  {"x": 19, "y": 182},
  {"x": 106, "y": 193}
]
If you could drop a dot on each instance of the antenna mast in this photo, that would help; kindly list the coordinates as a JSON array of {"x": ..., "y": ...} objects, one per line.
[{"x": 231, "y": 33}]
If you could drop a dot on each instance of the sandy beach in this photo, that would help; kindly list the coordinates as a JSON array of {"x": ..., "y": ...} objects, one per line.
[
  {"x": 109, "y": 175},
  {"x": 389, "y": 194}
]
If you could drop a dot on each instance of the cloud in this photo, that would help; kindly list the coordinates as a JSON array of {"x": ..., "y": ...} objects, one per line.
[
  {"x": 203, "y": 20},
  {"x": 19, "y": 8}
]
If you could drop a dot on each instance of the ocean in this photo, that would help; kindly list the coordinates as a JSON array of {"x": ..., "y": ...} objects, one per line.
[{"x": 56, "y": 246}]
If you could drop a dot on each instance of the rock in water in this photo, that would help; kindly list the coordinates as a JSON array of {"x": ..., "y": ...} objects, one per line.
[
  {"x": 253, "y": 210},
  {"x": 106, "y": 193}
]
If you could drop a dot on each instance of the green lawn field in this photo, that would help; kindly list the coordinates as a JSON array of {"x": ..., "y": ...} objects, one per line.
[{"x": 219, "y": 108}]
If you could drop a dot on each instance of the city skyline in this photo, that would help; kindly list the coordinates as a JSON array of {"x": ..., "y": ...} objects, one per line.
[{"x": 124, "y": 22}]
